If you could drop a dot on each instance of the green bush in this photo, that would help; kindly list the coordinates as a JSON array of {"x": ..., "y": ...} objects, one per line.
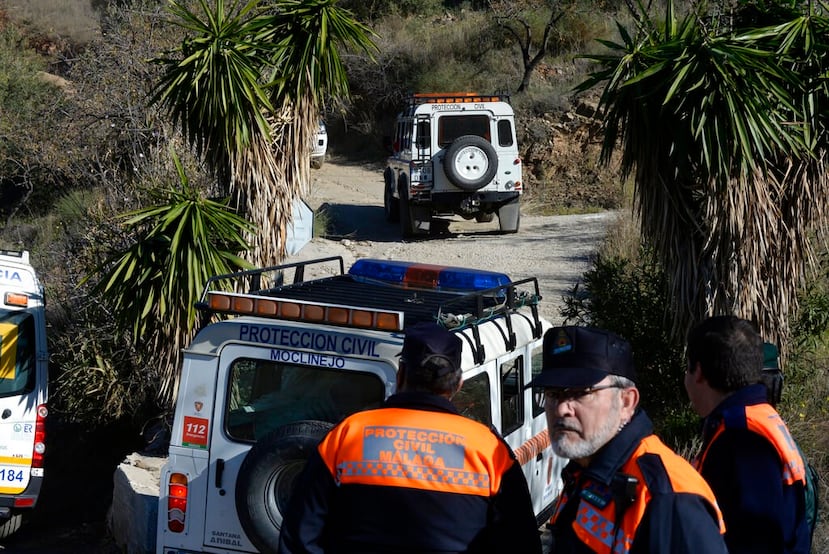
[
  {"x": 628, "y": 295},
  {"x": 29, "y": 108}
]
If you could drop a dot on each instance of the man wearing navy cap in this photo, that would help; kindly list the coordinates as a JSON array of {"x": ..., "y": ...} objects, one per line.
[
  {"x": 413, "y": 475},
  {"x": 624, "y": 490}
]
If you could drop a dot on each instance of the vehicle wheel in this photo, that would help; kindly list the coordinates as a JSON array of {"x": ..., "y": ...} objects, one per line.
[
  {"x": 267, "y": 475},
  {"x": 509, "y": 216},
  {"x": 391, "y": 206},
  {"x": 482, "y": 217},
  {"x": 407, "y": 224},
  {"x": 11, "y": 525},
  {"x": 470, "y": 162}
]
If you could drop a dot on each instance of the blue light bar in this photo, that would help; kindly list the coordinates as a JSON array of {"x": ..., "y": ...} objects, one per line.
[{"x": 428, "y": 276}]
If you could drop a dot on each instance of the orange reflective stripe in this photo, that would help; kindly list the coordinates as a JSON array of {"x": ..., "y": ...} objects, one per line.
[
  {"x": 411, "y": 448},
  {"x": 533, "y": 447},
  {"x": 764, "y": 420}
]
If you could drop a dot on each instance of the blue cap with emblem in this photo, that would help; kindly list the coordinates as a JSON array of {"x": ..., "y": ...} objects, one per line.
[{"x": 580, "y": 357}]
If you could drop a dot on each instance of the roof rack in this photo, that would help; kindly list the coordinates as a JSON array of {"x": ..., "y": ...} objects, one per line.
[
  {"x": 387, "y": 304},
  {"x": 418, "y": 98}
]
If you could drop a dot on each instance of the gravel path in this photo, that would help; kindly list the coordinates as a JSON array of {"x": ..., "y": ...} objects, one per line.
[{"x": 555, "y": 249}]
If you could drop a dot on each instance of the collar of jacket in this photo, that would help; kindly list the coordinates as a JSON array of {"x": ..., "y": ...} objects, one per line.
[
  {"x": 746, "y": 396},
  {"x": 420, "y": 401},
  {"x": 610, "y": 458}
]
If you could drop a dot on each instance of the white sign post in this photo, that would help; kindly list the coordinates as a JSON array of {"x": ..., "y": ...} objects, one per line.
[{"x": 301, "y": 228}]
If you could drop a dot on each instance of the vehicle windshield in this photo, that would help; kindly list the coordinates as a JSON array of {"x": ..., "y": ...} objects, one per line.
[
  {"x": 17, "y": 352},
  {"x": 264, "y": 395}
]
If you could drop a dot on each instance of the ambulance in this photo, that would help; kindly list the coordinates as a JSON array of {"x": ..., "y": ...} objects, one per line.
[
  {"x": 23, "y": 388},
  {"x": 282, "y": 356}
]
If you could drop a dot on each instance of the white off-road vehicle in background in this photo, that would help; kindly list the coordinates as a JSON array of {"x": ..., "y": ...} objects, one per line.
[
  {"x": 24, "y": 377},
  {"x": 283, "y": 358},
  {"x": 454, "y": 153},
  {"x": 319, "y": 146}
]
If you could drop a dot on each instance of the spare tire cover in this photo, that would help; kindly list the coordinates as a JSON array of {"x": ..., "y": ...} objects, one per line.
[
  {"x": 267, "y": 475},
  {"x": 470, "y": 162}
]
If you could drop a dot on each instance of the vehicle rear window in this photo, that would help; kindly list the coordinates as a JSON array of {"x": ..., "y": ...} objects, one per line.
[
  {"x": 17, "y": 352},
  {"x": 451, "y": 127},
  {"x": 264, "y": 395}
]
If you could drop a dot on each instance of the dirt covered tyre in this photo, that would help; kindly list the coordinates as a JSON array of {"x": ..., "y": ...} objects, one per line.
[
  {"x": 414, "y": 220},
  {"x": 509, "y": 216},
  {"x": 267, "y": 476},
  {"x": 391, "y": 206},
  {"x": 483, "y": 217},
  {"x": 470, "y": 162}
]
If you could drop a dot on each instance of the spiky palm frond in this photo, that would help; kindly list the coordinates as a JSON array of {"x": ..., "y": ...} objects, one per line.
[
  {"x": 723, "y": 131},
  {"x": 308, "y": 36},
  {"x": 154, "y": 284},
  {"x": 212, "y": 83}
]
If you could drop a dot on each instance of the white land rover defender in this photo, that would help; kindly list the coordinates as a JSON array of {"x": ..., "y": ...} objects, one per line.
[
  {"x": 24, "y": 377},
  {"x": 454, "y": 153},
  {"x": 276, "y": 366}
]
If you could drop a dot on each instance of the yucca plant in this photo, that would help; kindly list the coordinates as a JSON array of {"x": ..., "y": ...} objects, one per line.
[
  {"x": 720, "y": 116},
  {"x": 246, "y": 87},
  {"x": 153, "y": 285}
]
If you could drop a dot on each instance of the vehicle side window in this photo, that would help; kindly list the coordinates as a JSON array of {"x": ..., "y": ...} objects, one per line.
[
  {"x": 538, "y": 409},
  {"x": 424, "y": 132},
  {"x": 451, "y": 127},
  {"x": 398, "y": 131},
  {"x": 407, "y": 135},
  {"x": 512, "y": 395},
  {"x": 264, "y": 395},
  {"x": 472, "y": 400},
  {"x": 17, "y": 352},
  {"x": 504, "y": 133}
]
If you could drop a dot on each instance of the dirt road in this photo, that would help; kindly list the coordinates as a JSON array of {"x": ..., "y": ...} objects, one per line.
[{"x": 555, "y": 249}]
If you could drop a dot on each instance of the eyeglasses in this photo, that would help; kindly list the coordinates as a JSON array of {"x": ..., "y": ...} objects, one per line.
[{"x": 558, "y": 396}]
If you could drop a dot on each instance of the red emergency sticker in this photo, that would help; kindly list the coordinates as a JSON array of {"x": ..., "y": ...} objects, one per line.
[{"x": 194, "y": 432}]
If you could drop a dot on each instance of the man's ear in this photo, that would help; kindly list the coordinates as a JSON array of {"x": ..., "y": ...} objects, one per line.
[
  {"x": 457, "y": 389},
  {"x": 630, "y": 400},
  {"x": 696, "y": 374}
]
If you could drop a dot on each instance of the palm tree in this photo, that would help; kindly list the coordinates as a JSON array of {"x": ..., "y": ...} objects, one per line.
[
  {"x": 720, "y": 116},
  {"x": 153, "y": 285},
  {"x": 246, "y": 87}
]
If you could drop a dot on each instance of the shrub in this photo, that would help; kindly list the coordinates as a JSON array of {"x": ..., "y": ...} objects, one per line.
[{"x": 626, "y": 293}]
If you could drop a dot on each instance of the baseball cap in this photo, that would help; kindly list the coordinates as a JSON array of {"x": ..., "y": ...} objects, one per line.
[
  {"x": 580, "y": 357},
  {"x": 426, "y": 341}
]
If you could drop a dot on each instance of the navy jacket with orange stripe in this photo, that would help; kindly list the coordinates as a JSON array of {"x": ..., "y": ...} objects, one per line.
[
  {"x": 412, "y": 476},
  {"x": 762, "y": 502},
  {"x": 636, "y": 496}
]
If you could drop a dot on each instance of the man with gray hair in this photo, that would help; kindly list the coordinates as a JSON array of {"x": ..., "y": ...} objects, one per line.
[{"x": 624, "y": 490}]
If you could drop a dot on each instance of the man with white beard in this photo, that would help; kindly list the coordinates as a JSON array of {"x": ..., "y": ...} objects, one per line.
[{"x": 624, "y": 490}]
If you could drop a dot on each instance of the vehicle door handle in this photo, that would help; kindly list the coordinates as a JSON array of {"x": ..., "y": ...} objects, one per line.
[
  {"x": 220, "y": 468},
  {"x": 6, "y": 413}
]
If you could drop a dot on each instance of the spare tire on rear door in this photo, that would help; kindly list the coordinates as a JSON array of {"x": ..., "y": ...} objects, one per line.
[
  {"x": 267, "y": 475},
  {"x": 470, "y": 162}
]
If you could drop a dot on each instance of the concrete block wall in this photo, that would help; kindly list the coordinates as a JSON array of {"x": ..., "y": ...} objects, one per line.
[{"x": 133, "y": 515}]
